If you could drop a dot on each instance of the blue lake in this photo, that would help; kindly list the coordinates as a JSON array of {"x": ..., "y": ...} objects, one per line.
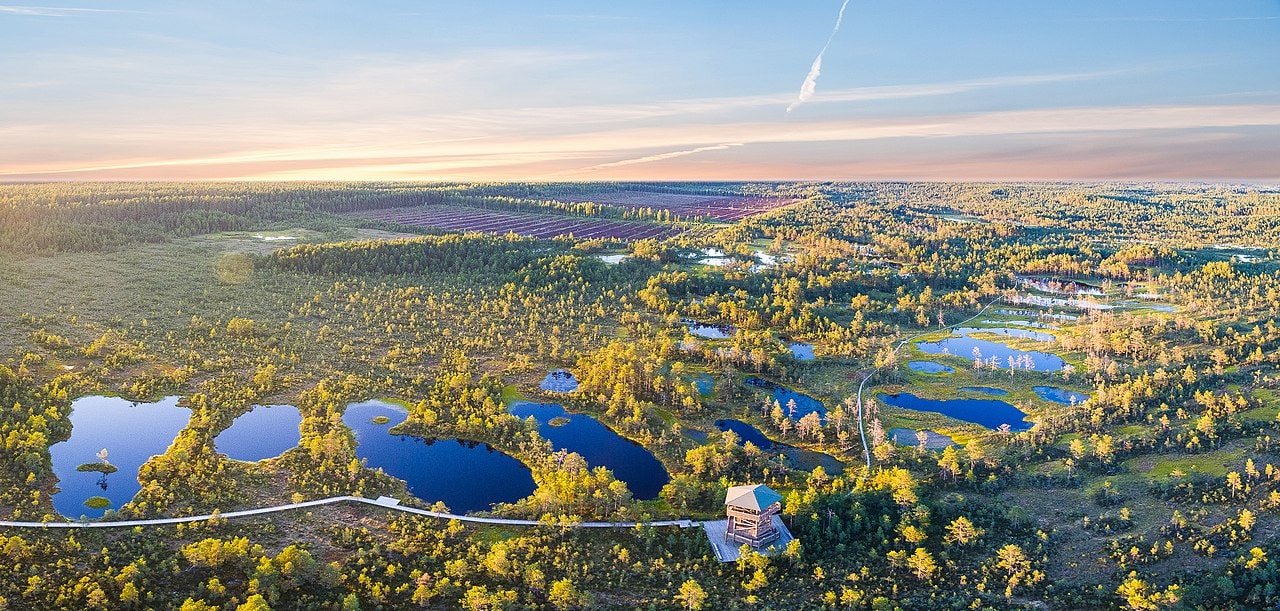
[
  {"x": 929, "y": 367},
  {"x": 986, "y": 390},
  {"x": 130, "y": 432},
  {"x": 560, "y": 380},
  {"x": 990, "y": 413},
  {"x": 265, "y": 432},
  {"x": 709, "y": 331},
  {"x": 970, "y": 347},
  {"x": 466, "y": 475},
  {"x": 706, "y": 383},
  {"x": 745, "y": 433},
  {"x": 801, "y": 351},
  {"x": 933, "y": 440},
  {"x": 1060, "y": 395},
  {"x": 798, "y": 457},
  {"x": 805, "y": 404},
  {"x": 599, "y": 445}
]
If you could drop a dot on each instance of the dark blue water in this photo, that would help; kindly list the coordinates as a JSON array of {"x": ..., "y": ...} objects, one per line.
[
  {"x": 805, "y": 404},
  {"x": 801, "y": 351},
  {"x": 933, "y": 440},
  {"x": 963, "y": 347},
  {"x": 990, "y": 413},
  {"x": 798, "y": 457},
  {"x": 130, "y": 432},
  {"x": 265, "y": 432},
  {"x": 710, "y": 331},
  {"x": 466, "y": 475},
  {"x": 599, "y": 445},
  {"x": 929, "y": 367},
  {"x": 1060, "y": 395},
  {"x": 706, "y": 383},
  {"x": 745, "y": 433},
  {"x": 560, "y": 380},
  {"x": 986, "y": 390}
]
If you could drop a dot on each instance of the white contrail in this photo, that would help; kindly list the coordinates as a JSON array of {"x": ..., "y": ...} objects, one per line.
[
  {"x": 662, "y": 156},
  {"x": 811, "y": 80}
]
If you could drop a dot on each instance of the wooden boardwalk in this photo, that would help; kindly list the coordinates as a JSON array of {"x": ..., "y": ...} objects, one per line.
[
  {"x": 383, "y": 502},
  {"x": 728, "y": 551}
]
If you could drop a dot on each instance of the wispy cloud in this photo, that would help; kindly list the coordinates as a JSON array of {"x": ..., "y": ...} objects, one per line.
[
  {"x": 596, "y": 154},
  {"x": 61, "y": 11},
  {"x": 721, "y": 107},
  {"x": 18, "y": 86},
  {"x": 663, "y": 156},
  {"x": 810, "y": 84}
]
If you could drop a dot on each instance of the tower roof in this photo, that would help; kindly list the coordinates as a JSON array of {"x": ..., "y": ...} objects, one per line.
[{"x": 758, "y": 497}]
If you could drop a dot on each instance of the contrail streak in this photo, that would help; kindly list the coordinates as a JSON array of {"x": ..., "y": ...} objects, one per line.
[
  {"x": 811, "y": 80},
  {"x": 662, "y": 156}
]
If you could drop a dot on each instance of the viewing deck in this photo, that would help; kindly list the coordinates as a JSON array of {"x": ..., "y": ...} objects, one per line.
[{"x": 728, "y": 551}]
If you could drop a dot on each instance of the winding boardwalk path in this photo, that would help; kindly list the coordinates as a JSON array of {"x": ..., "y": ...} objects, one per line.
[
  {"x": 383, "y": 502},
  {"x": 866, "y": 449}
]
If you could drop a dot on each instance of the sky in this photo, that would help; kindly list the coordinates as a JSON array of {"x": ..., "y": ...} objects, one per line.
[{"x": 559, "y": 90}]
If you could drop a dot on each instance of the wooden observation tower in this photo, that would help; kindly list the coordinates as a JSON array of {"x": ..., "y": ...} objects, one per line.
[{"x": 751, "y": 510}]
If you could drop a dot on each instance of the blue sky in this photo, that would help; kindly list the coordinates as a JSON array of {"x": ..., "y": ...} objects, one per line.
[{"x": 681, "y": 90}]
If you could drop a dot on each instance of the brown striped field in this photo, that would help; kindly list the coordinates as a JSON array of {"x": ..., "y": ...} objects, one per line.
[{"x": 460, "y": 218}]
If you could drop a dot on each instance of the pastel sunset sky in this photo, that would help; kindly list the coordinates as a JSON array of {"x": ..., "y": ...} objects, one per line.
[{"x": 654, "y": 89}]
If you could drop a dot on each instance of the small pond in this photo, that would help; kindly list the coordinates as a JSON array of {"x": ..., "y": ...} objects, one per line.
[
  {"x": 1159, "y": 307},
  {"x": 986, "y": 390},
  {"x": 801, "y": 351},
  {"x": 768, "y": 261},
  {"x": 1022, "y": 323},
  {"x": 908, "y": 437},
  {"x": 1060, "y": 395},
  {"x": 745, "y": 433},
  {"x": 1062, "y": 287},
  {"x": 713, "y": 257},
  {"x": 1007, "y": 312},
  {"x": 613, "y": 259},
  {"x": 264, "y": 432},
  {"x": 466, "y": 475},
  {"x": 1007, "y": 332},
  {"x": 709, "y": 331},
  {"x": 965, "y": 346},
  {"x": 696, "y": 435},
  {"x": 929, "y": 367},
  {"x": 706, "y": 384},
  {"x": 130, "y": 432},
  {"x": 798, "y": 457},
  {"x": 560, "y": 380},
  {"x": 599, "y": 445},
  {"x": 1050, "y": 302},
  {"x": 805, "y": 404},
  {"x": 990, "y": 413}
]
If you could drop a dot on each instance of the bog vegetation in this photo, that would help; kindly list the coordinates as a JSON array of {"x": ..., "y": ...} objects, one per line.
[{"x": 1160, "y": 490}]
